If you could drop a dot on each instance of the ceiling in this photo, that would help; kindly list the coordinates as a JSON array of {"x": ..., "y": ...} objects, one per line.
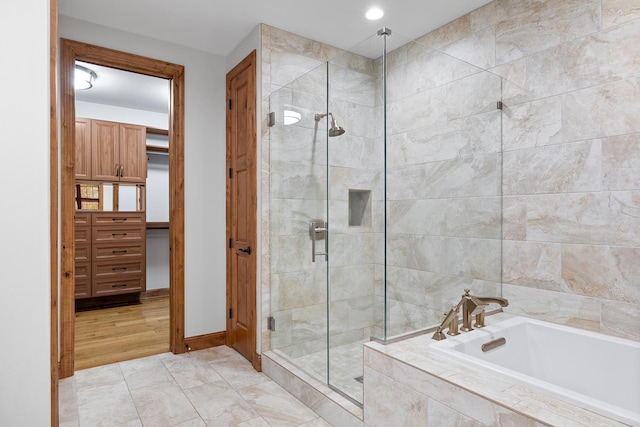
[{"x": 217, "y": 26}]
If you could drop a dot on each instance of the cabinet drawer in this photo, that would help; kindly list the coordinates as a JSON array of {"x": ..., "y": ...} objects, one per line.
[
  {"x": 82, "y": 235},
  {"x": 83, "y": 270},
  {"x": 82, "y": 219},
  {"x": 111, "y": 268},
  {"x": 120, "y": 234},
  {"x": 83, "y": 288},
  {"x": 108, "y": 286},
  {"x": 112, "y": 218},
  {"x": 83, "y": 252},
  {"x": 117, "y": 250}
]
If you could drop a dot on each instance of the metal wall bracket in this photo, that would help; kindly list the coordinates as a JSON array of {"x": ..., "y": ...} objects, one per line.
[
  {"x": 271, "y": 119},
  {"x": 271, "y": 323},
  {"x": 500, "y": 105}
]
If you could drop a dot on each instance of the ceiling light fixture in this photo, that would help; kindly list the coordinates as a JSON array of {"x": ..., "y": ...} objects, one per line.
[
  {"x": 374, "y": 14},
  {"x": 84, "y": 78}
]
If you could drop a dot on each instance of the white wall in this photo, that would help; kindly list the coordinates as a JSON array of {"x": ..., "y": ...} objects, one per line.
[
  {"x": 25, "y": 397},
  {"x": 121, "y": 114},
  {"x": 205, "y": 287}
]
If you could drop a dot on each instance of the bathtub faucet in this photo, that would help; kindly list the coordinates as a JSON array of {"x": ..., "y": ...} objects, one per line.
[{"x": 471, "y": 306}]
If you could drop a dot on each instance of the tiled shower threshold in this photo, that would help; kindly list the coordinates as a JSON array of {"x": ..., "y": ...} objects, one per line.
[{"x": 326, "y": 402}]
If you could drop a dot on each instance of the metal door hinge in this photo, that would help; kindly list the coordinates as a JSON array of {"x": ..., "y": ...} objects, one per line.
[
  {"x": 271, "y": 323},
  {"x": 500, "y": 105},
  {"x": 229, "y": 104},
  {"x": 231, "y": 313},
  {"x": 271, "y": 119},
  {"x": 230, "y": 173},
  {"x": 230, "y": 243}
]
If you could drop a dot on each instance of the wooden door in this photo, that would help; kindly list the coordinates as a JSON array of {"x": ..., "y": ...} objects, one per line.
[
  {"x": 106, "y": 150},
  {"x": 241, "y": 209},
  {"x": 133, "y": 153},
  {"x": 83, "y": 149}
]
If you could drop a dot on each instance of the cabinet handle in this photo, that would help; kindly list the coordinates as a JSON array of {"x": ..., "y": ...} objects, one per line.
[
  {"x": 121, "y": 171},
  {"x": 118, "y": 234},
  {"x": 124, "y": 251},
  {"x": 117, "y": 169},
  {"x": 118, "y": 268},
  {"x": 119, "y": 219},
  {"x": 119, "y": 285}
]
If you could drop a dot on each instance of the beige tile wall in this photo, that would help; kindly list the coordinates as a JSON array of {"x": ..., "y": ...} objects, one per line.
[{"x": 571, "y": 165}]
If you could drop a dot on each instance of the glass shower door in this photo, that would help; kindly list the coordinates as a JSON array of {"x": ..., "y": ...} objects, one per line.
[{"x": 298, "y": 198}]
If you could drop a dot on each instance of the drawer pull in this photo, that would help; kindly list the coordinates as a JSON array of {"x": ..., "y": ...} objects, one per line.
[
  {"x": 118, "y": 234},
  {"x": 119, "y": 285},
  {"x": 118, "y": 268},
  {"x": 123, "y": 251},
  {"x": 119, "y": 219}
]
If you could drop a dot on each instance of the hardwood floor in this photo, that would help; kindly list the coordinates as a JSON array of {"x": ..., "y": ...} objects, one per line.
[{"x": 121, "y": 333}]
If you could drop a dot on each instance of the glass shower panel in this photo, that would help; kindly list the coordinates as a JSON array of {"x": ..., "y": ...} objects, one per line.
[
  {"x": 298, "y": 195},
  {"x": 443, "y": 184}
]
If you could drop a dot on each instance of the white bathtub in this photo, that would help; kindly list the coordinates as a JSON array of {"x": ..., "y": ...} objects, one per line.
[{"x": 594, "y": 371}]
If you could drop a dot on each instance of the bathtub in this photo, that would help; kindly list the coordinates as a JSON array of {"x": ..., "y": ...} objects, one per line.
[{"x": 590, "y": 370}]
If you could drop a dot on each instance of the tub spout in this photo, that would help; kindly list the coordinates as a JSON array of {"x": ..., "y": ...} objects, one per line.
[
  {"x": 495, "y": 300},
  {"x": 479, "y": 323}
]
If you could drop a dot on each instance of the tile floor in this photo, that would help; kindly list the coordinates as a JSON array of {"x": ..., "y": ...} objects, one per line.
[{"x": 213, "y": 387}]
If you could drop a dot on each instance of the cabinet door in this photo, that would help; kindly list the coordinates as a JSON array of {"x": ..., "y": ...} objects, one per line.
[
  {"x": 105, "y": 150},
  {"x": 133, "y": 153},
  {"x": 83, "y": 148}
]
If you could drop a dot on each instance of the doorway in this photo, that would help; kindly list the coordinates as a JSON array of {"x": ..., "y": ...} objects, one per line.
[{"x": 72, "y": 51}]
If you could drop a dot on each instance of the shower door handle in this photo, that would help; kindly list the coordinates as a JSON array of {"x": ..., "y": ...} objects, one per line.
[{"x": 318, "y": 231}]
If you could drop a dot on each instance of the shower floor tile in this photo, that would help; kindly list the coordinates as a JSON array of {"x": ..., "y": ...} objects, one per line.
[{"x": 345, "y": 368}]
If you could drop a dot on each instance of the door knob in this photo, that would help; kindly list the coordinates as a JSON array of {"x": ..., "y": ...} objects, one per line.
[{"x": 246, "y": 250}]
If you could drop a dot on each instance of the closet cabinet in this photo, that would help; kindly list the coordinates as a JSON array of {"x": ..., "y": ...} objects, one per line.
[
  {"x": 110, "y": 253},
  {"x": 82, "y": 255},
  {"x": 119, "y": 261},
  {"x": 110, "y": 151}
]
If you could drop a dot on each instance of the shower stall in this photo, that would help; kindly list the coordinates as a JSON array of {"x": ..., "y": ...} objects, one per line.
[{"x": 385, "y": 200}]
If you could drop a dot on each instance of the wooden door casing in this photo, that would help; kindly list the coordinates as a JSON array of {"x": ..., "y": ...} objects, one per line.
[
  {"x": 70, "y": 51},
  {"x": 242, "y": 209}
]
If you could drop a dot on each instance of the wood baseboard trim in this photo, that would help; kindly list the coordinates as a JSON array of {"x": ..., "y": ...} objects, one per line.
[
  {"x": 155, "y": 293},
  {"x": 200, "y": 342}
]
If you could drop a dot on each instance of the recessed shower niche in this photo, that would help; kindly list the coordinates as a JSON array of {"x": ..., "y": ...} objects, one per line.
[{"x": 359, "y": 208}]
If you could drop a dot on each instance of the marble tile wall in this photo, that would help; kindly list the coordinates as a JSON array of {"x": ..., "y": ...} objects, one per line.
[
  {"x": 564, "y": 154},
  {"x": 571, "y": 160}
]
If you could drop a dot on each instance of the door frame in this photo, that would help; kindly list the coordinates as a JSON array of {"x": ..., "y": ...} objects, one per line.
[
  {"x": 70, "y": 51},
  {"x": 249, "y": 62}
]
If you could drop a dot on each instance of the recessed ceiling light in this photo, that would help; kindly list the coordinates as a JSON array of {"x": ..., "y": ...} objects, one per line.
[{"x": 374, "y": 13}]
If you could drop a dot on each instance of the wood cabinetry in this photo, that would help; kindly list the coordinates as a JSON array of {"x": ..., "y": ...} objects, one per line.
[
  {"x": 83, "y": 149},
  {"x": 110, "y": 253},
  {"x": 83, "y": 255},
  {"x": 110, "y": 151}
]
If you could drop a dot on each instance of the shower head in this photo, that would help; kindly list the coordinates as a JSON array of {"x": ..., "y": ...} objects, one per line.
[{"x": 335, "y": 129}]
